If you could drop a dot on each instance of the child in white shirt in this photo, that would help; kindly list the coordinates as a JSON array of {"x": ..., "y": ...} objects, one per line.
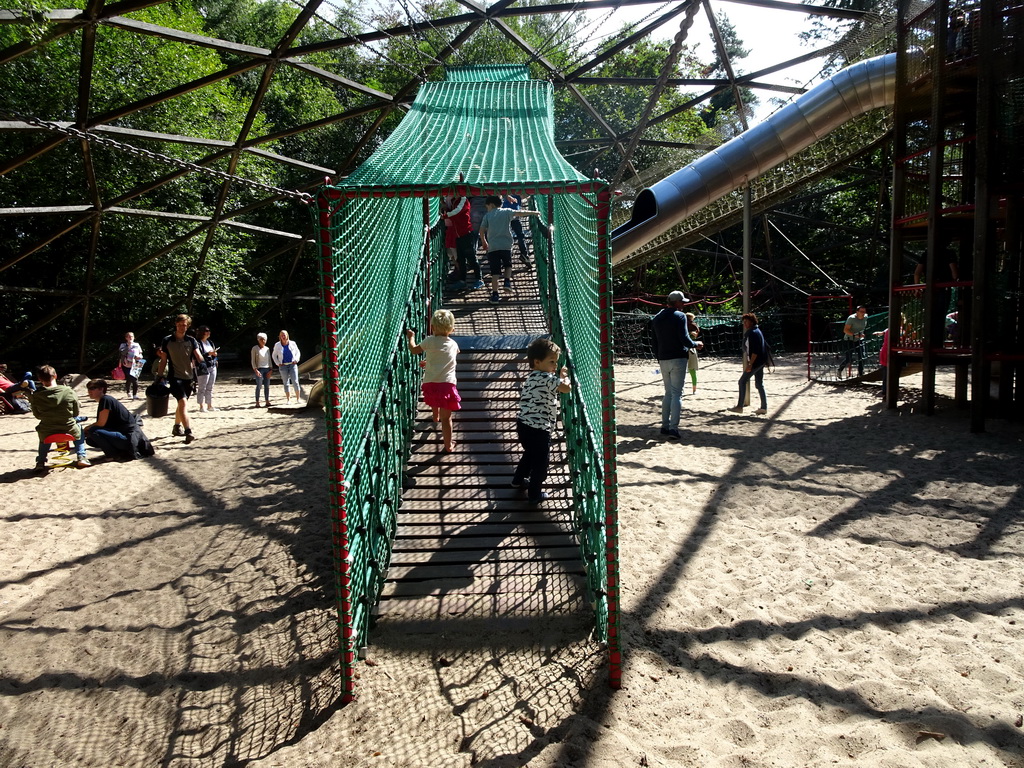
[{"x": 440, "y": 390}]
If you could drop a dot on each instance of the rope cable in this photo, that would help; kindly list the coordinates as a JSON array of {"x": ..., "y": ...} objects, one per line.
[
  {"x": 827, "y": 276},
  {"x": 96, "y": 139},
  {"x": 756, "y": 266},
  {"x": 415, "y": 73}
]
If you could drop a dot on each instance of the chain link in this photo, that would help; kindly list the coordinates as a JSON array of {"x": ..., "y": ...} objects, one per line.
[{"x": 93, "y": 138}]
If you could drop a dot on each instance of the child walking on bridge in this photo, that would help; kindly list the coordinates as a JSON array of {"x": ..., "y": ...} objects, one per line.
[
  {"x": 538, "y": 412},
  {"x": 440, "y": 390}
]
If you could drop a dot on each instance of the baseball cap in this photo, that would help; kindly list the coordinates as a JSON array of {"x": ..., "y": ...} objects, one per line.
[{"x": 676, "y": 296}]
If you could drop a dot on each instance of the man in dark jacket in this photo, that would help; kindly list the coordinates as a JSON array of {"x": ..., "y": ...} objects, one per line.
[
  {"x": 756, "y": 356},
  {"x": 673, "y": 344}
]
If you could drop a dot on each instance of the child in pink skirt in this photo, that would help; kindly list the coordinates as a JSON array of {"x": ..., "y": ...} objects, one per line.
[{"x": 439, "y": 383}]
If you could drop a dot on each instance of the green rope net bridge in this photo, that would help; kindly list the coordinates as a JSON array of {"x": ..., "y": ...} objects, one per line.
[{"x": 483, "y": 131}]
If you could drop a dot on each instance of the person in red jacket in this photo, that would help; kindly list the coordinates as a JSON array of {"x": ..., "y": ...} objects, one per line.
[
  {"x": 458, "y": 215},
  {"x": 14, "y": 395}
]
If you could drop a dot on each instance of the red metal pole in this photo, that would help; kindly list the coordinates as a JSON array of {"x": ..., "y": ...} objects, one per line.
[
  {"x": 611, "y": 510},
  {"x": 336, "y": 475}
]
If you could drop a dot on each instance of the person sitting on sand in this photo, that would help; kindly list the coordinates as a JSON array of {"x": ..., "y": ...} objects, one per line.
[
  {"x": 14, "y": 396},
  {"x": 114, "y": 425}
]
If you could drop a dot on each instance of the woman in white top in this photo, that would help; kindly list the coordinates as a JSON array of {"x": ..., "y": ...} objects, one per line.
[
  {"x": 204, "y": 389},
  {"x": 130, "y": 360},
  {"x": 261, "y": 365}
]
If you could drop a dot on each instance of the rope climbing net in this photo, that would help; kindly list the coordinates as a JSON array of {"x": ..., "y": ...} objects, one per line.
[
  {"x": 722, "y": 334},
  {"x": 833, "y": 357}
]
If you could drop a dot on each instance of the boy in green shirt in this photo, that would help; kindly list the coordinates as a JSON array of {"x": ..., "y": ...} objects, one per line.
[{"x": 56, "y": 407}]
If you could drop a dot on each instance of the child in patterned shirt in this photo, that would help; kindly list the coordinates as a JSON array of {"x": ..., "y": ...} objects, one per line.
[{"x": 538, "y": 412}]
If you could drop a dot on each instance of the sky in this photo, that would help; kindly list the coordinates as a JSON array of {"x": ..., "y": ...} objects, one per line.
[{"x": 771, "y": 36}]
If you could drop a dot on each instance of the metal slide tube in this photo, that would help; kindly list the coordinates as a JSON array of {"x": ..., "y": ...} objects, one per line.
[{"x": 859, "y": 88}]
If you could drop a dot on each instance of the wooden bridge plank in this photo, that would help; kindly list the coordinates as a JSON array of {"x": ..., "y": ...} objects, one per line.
[
  {"x": 535, "y": 515},
  {"x": 447, "y": 496},
  {"x": 480, "y": 541},
  {"x": 476, "y": 457},
  {"x": 473, "y": 556},
  {"x": 484, "y": 571},
  {"x": 418, "y": 533},
  {"x": 434, "y": 479},
  {"x": 477, "y": 505},
  {"x": 480, "y": 605},
  {"x": 556, "y": 583}
]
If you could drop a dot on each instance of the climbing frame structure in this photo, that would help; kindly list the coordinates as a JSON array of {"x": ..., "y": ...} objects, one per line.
[
  {"x": 956, "y": 269},
  {"x": 482, "y": 131}
]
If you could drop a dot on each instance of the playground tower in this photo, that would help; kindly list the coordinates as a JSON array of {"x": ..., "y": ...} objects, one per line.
[{"x": 955, "y": 297}]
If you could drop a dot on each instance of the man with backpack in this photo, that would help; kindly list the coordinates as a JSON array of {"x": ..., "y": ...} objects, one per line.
[
  {"x": 756, "y": 356},
  {"x": 181, "y": 360}
]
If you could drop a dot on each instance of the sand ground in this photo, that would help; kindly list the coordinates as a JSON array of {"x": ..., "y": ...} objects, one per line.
[{"x": 833, "y": 584}]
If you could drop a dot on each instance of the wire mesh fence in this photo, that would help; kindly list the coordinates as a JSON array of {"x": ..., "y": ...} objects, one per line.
[
  {"x": 722, "y": 334},
  {"x": 838, "y": 358}
]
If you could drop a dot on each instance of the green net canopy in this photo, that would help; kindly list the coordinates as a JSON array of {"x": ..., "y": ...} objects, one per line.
[{"x": 491, "y": 133}]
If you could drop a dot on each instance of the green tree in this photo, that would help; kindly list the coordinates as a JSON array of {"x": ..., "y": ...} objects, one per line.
[{"x": 721, "y": 111}]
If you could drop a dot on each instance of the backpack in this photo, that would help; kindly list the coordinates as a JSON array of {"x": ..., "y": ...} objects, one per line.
[
  {"x": 141, "y": 445},
  {"x": 14, "y": 405}
]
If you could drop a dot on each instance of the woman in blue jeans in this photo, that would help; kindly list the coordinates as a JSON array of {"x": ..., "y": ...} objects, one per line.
[
  {"x": 755, "y": 351},
  {"x": 262, "y": 362},
  {"x": 286, "y": 356},
  {"x": 112, "y": 430}
]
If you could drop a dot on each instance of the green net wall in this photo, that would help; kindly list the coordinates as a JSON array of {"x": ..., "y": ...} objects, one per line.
[
  {"x": 577, "y": 301},
  {"x": 379, "y": 267},
  {"x": 488, "y": 72},
  {"x": 493, "y": 135}
]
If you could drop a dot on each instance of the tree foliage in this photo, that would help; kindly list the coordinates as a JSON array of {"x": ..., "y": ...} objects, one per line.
[
  {"x": 721, "y": 111},
  {"x": 132, "y": 268}
]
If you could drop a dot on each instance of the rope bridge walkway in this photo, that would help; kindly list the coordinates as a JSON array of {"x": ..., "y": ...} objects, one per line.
[
  {"x": 416, "y": 533},
  {"x": 467, "y": 544}
]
